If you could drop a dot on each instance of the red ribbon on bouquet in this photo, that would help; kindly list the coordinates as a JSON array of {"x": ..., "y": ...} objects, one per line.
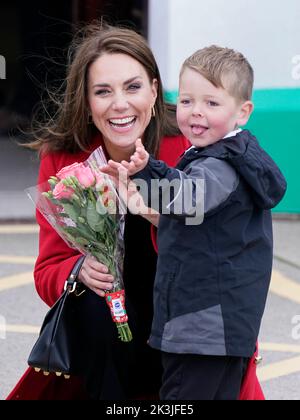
[{"x": 116, "y": 303}]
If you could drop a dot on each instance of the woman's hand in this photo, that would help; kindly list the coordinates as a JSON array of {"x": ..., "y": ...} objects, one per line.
[{"x": 95, "y": 276}]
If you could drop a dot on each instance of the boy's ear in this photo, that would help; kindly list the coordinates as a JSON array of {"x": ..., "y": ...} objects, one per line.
[{"x": 244, "y": 113}]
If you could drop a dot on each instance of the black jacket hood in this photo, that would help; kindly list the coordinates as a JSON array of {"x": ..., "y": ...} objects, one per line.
[{"x": 253, "y": 164}]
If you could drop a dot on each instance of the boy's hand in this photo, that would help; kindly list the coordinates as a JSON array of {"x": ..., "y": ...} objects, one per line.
[
  {"x": 127, "y": 189},
  {"x": 138, "y": 160}
]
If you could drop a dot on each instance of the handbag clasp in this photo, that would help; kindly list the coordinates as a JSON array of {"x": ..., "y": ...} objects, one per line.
[{"x": 70, "y": 284}]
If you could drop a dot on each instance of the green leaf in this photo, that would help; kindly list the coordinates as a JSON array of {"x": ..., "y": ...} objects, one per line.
[
  {"x": 78, "y": 233},
  {"x": 92, "y": 217},
  {"x": 82, "y": 241},
  {"x": 104, "y": 259},
  {"x": 72, "y": 210},
  {"x": 64, "y": 215},
  {"x": 99, "y": 227},
  {"x": 67, "y": 234}
]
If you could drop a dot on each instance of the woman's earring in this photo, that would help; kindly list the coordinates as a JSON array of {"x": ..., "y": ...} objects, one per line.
[
  {"x": 153, "y": 112},
  {"x": 90, "y": 119}
]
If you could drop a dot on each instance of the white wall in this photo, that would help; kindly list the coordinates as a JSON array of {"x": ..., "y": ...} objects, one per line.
[
  {"x": 267, "y": 32},
  {"x": 159, "y": 36}
]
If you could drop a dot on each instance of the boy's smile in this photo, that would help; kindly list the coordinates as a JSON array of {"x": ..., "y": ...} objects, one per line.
[{"x": 198, "y": 129}]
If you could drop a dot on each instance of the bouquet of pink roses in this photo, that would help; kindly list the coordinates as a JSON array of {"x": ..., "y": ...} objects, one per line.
[{"x": 83, "y": 206}]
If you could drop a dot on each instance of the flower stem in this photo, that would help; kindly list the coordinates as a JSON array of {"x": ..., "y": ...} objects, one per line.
[{"x": 124, "y": 332}]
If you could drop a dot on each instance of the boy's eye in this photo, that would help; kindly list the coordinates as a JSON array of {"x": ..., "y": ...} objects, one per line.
[
  {"x": 185, "y": 101},
  {"x": 212, "y": 103}
]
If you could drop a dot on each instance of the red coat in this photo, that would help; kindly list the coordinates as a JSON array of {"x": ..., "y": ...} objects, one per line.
[{"x": 52, "y": 269}]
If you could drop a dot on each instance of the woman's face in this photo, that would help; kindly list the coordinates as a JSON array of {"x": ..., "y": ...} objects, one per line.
[{"x": 120, "y": 98}]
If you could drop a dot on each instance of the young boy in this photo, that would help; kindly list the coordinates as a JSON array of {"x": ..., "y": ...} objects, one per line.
[{"x": 212, "y": 278}]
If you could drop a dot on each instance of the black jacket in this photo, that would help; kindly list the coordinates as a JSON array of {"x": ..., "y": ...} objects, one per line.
[{"x": 213, "y": 276}]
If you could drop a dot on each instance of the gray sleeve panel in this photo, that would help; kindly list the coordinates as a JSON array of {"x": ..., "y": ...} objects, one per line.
[
  {"x": 203, "y": 185},
  {"x": 220, "y": 180}
]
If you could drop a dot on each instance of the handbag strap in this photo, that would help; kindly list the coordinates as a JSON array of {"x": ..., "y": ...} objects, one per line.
[{"x": 71, "y": 282}]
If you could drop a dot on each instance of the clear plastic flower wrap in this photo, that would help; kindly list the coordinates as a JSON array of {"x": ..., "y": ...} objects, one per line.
[{"x": 83, "y": 206}]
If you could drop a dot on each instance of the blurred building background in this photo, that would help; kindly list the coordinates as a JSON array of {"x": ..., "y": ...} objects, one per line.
[
  {"x": 267, "y": 32},
  {"x": 34, "y": 36}
]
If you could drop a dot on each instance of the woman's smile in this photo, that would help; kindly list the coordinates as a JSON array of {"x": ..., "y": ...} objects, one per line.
[{"x": 122, "y": 124}]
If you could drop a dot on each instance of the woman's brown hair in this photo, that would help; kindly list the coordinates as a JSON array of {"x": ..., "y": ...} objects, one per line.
[{"x": 69, "y": 129}]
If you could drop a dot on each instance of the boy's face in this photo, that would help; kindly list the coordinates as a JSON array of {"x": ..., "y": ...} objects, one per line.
[{"x": 205, "y": 113}]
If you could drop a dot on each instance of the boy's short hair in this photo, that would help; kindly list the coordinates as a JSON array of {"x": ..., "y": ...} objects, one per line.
[{"x": 223, "y": 65}]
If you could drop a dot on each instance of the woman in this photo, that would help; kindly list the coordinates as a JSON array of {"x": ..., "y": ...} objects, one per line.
[{"x": 113, "y": 95}]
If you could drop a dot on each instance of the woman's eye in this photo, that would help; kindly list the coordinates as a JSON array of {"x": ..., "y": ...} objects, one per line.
[
  {"x": 102, "y": 92},
  {"x": 134, "y": 87}
]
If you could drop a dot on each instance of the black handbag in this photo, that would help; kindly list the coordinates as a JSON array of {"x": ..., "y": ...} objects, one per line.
[{"x": 58, "y": 347}]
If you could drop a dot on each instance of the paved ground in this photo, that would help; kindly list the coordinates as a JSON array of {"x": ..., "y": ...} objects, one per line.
[
  {"x": 18, "y": 171},
  {"x": 280, "y": 332},
  {"x": 22, "y": 312}
]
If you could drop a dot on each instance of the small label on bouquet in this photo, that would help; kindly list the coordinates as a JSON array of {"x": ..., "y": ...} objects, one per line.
[
  {"x": 117, "y": 307},
  {"x": 116, "y": 303}
]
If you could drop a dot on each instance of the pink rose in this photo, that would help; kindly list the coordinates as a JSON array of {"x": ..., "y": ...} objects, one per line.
[
  {"x": 85, "y": 176},
  {"x": 69, "y": 170},
  {"x": 62, "y": 191}
]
